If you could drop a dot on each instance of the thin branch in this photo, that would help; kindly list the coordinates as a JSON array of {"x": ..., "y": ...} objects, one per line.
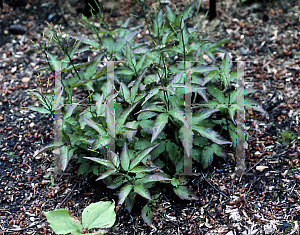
[{"x": 214, "y": 187}]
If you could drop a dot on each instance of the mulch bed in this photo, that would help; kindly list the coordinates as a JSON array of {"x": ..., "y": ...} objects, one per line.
[{"x": 265, "y": 200}]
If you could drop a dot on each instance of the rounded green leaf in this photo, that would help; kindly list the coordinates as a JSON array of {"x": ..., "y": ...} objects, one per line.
[
  {"x": 99, "y": 215},
  {"x": 61, "y": 222}
]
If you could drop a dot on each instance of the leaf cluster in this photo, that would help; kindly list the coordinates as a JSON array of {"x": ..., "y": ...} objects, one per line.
[{"x": 137, "y": 130}]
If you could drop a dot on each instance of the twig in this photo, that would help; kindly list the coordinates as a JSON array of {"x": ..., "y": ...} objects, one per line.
[
  {"x": 214, "y": 186},
  {"x": 255, "y": 164},
  {"x": 34, "y": 224}
]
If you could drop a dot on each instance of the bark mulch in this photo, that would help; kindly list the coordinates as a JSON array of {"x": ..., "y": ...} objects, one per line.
[{"x": 265, "y": 200}]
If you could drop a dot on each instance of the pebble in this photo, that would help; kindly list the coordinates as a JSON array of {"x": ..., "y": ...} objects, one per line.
[
  {"x": 31, "y": 124},
  {"x": 261, "y": 168},
  {"x": 25, "y": 79}
]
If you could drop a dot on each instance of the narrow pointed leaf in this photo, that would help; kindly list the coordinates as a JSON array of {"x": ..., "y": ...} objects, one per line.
[
  {"x": 125, "y": 91},
  {"x": 152, "y": 178},
  {"x": 143, "y": 191},
  {"x": 159, "y": 124},
  {"x": 170, "y": 14},
  {"x": 134, "y": 89},
  {"x": 151, "y": 93},
  {"x": 48, "y": 147},
  {"x": 96, "y": 127},
  {"x": 186, "y": 137},
  {"x": 101, "y": 161},
  {"x": 39, "y": 109},
  {"x": 210, "y": 134},
  {"x": 217, "y": 149},
  {"x": 106, "y": 174},
  {"x": 207, "y": 157},
  {"x": 125, "y": 160},
  {"x": 210, "y": 76},
  {"x": 124, "y": 192},
  {"x": 124, "y": 115},
  {"x": 253, "y": 105},
  {"x": 205, "y": 114},
  {"x": 140, "y": 156},
  {"x": 184, "y": 193},
  {"x": 215, "y": 92}
]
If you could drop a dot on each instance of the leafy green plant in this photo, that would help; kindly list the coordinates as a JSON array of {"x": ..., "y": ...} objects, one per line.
[
  {"x": 151, "y": 133},
  {"x": 96, "y": 215}
]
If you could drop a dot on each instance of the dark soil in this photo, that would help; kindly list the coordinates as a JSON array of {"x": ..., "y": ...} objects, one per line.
[{"x": 265, "y": 200}]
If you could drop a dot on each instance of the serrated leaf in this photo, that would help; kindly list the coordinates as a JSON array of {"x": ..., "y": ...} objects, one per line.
[
  {"x": 124, "y": 192},
  {"x": 184, "y": 193},
  {"x": 147, "y": 215},
  {"x": 203, "y": 69},
  {"x": 124, "y": 157},
  {"x": 96, "y": 127},
  {"x": 102, "y": 161},
  {"x": 39, "y": 109},
  {"x": 210, "y": 134},
  {"x": 186, "y": 137},
  {"x": 205, "y": 114},
  {"x": 105, "y": 174},
  {"x": 125, "y": 91},
  {"x": 210, "y": 76},
  {"x": 117, "y": 182},
  {"x": 61, "y": 221},
  {"x": 142, "y": 169},
  {"x": 207, "y": 156},
  {"x": 143, "y": 191},
  {"x": 159, "y": 124},
  {"x": 99, "y": 215},
  {"x": 253, "y": 105},
  {"x": 140, "y": 156},
  {"x": 215, "y": 92},
  {"x": 151, "y": 178},
  {"x": 122, "y": 118},
  {"x": 177, "y": 114},
  {"x": 225, "y": 69},
  {"x": 135, "y": 88},
  {"x": 48, "y": 147},
  {"x": 151, "y": 93},
  {"x": 141, "y": 61},
  {"x": 201, "y": 91},
  {"x": 217, "y": 149}
]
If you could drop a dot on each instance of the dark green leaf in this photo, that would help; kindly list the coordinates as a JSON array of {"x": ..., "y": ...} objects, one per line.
[
  {"x": 207, "y": 156},
  {"x": 184, "y": 193}
]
